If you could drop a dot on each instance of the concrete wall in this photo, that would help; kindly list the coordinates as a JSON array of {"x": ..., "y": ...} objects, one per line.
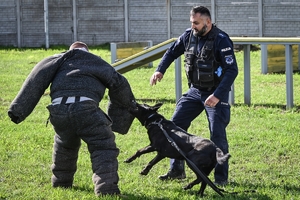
[{"x": 22, "y": 22}]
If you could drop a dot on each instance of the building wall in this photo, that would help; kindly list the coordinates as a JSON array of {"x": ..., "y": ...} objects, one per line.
[
  {"x": 22, "y": 22},
  {"x": 8, "y": 23},
  {"x": 239, "y": 18},
  {"x": 281, "y": 18}
]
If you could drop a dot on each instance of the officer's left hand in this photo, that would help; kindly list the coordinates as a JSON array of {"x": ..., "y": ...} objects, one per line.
[
  {"x": 157, "y": 76},
  {"x": 211, "y": 101}
]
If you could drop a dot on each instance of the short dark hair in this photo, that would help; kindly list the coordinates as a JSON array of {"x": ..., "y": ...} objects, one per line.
[{"x": 202, "y": 10}]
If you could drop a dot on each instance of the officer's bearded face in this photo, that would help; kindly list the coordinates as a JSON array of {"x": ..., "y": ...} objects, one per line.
[
  {"x": 199, "y": 24},
  {"x": 201, "y": 32}
]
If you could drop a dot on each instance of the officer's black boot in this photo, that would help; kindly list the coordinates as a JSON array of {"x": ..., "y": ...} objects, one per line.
[{"x": 173, "y": 174}]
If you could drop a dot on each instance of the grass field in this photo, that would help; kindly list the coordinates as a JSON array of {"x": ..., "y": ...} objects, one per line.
[{"x": 264, "y": 138}]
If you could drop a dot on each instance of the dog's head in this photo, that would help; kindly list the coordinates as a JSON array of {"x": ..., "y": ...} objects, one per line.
[{"x": 143, "y": 111}]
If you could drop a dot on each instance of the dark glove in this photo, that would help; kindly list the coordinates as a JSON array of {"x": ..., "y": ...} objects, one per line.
[{"x": 14, "y": 118}]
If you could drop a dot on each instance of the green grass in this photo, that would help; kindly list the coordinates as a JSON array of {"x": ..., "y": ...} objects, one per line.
[{"x": 264, "y": 138}]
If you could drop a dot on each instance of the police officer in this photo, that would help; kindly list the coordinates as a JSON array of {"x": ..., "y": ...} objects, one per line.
[{"x": 211, "y": 69}]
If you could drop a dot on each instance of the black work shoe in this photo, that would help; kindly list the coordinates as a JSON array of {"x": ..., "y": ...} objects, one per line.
[{"x": 172, "y": 174}]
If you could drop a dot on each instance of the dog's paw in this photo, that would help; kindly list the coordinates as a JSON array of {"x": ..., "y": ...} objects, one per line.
[
  {"x": 187, "y": 187},
  {"x": 144, "y": 173},
  {"x": 128, "y": 161}
]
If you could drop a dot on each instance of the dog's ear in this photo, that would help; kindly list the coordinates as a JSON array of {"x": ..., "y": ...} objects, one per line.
[{"x": 157, "y": 106}]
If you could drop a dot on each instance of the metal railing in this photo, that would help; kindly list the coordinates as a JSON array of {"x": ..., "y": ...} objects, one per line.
[
  {"x": 157, "y": 51},
  {"x": 263, "y": 41}
]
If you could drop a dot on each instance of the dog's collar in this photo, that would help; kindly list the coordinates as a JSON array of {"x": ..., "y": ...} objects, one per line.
[
  {"x": 145, "y": 123},
  {"x": 150, "y": 116},
  {"x": 158, "y": 121}
]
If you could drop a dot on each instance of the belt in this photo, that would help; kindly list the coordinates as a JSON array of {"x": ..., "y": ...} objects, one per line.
[
  {"x": 69, "y": 100},
  {"x": 205, "y": 89}
]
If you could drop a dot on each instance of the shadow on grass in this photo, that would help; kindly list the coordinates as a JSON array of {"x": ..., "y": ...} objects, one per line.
[
  {"x": 251, "y": 191},
  {"x": 244, "y": 196},
  {"x": 278, "y": 106},
  {"x": 139, "y": 197},
  {"x": 243, "y": 191},
  {"x": 123, "y": 196},
  {"x": 229, "y": 194}
]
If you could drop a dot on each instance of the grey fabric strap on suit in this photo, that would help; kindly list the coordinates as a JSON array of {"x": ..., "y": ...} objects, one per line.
[{"x": 68, "y": 100}]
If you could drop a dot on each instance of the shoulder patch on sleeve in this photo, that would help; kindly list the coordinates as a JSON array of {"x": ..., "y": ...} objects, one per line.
[
  {"x": 222, "y": 35},
  {"x": 229, "y": 59}
]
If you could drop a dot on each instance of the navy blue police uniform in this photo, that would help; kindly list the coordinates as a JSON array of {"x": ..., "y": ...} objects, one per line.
[{"x": 191, "y": 104}]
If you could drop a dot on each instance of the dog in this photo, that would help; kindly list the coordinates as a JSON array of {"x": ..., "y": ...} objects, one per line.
[{"x": 203, "y": 153}]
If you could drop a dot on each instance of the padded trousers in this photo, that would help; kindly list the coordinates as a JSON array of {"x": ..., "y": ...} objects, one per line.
[{"x": 84, "y": 121}]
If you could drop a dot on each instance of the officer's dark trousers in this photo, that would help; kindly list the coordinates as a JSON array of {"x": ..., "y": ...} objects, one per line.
[
  {"x": 84, "y": 120},
  {"x": 189, "y": 106}
]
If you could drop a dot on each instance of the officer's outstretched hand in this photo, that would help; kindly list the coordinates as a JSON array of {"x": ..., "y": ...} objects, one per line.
[{"x": 157, "y": 76}]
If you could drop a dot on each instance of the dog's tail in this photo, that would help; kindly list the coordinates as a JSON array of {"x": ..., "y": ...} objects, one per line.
[{"x": 221, "y": 157}]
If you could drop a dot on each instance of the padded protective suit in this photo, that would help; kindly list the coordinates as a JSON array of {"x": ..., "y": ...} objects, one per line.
[{"x": 77, "y": 73}]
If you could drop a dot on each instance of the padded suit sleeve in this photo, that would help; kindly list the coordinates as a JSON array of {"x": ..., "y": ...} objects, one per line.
[
  {"x": 34, "y": 87},
  {"x": 121, "y": 100}
]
